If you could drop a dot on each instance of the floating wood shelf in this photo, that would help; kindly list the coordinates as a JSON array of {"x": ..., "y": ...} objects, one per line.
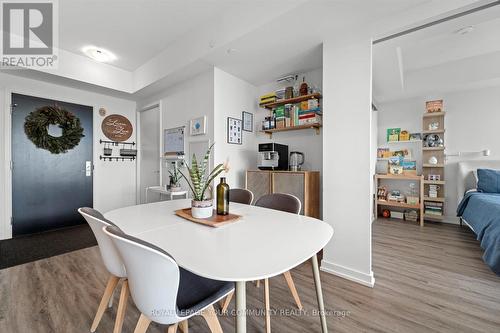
[
  {"x": 433, "y": 165},
  {"x": 292, "y": 100},
  {"x": 434, "y": 114},
  {"x": 426, "y": 198},
  {"x": 397, "y": 204},
  {"x": 432, "y": 148},
  {"x": 293, "y": 128},
  {"x": 401, "y": 177},
  {"x": 407, "y": 141}
]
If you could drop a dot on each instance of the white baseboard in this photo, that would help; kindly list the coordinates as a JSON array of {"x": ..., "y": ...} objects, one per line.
[{"x": 347, "y": 273}]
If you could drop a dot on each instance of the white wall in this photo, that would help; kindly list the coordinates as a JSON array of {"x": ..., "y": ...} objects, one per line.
[
  {"x": 347, "y": 182},
  {"x": 185, "y": 101},
  {"x": 232, "y": 97},
  {"x": 114, "y": 182},
  {"x": 471, "y": 124},
  {"x": 217, "y": 95}
]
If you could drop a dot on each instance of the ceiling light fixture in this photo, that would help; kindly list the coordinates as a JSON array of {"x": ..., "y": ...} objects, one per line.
[
  {"x": 99, "y": 54},
  {"x": 465, "y": 31}
]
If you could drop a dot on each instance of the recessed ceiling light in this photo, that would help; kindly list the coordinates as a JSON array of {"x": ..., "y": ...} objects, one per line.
[
  {"x": 465, "y": 31},
  {"x": 98, "y": 54}
]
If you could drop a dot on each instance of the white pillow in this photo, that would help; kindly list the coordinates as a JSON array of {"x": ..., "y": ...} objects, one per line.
[{"x": 474, "y": 173}]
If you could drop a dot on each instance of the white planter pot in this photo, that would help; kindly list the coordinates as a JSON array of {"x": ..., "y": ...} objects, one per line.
[
  {"x": 202, "y": 209},
  {"x": 175, "y": 189}
]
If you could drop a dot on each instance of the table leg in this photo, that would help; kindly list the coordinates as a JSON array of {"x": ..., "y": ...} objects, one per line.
[
  {"x": 241, "y": 307},
  {"x": 319, "y": 293}
]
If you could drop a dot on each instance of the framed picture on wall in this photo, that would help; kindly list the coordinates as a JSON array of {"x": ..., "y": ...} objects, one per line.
[
  {"x": 247, "y": 118},
  {"x": 198, "y": 126},
  {"x": 234, "y": 131}
]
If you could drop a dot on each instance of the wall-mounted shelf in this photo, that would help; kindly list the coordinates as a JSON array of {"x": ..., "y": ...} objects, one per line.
[
  {"x": 293, "y": 128},
  {"x": 432, "y": 148},
  {"x": 438, "y": 131},
  {"x": 434, "y": 114},
  {"x": 117, "y": 143},
  {"x": 433, "y": 165},
  {"x": 407, "y": 141},
  {"x": 292, "y": 100},
  {"x": 117, "y": 158},
  {"x": 400, "y": 177}
]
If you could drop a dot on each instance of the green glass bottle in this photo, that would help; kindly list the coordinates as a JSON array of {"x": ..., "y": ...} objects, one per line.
[{"x": 222, "y": 197}]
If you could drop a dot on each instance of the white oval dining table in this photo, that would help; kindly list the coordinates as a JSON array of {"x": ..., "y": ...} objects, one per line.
[{"x": 263, "y": 243}]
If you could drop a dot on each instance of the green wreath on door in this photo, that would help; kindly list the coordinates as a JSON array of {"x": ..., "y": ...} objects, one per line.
[{"x": 37, "y": 124}]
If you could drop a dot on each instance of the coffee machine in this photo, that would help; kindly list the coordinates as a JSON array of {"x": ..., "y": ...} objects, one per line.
[{"x": 272, "y": 156}]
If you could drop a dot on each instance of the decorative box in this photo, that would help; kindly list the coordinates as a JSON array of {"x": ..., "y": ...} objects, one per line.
[
  {"x": 393, "y": 134},
  {"x": 397, "y": 215},
  {"x": 412, "y": 200},
  {"x": 404, "y": 136},
  {"x": 434, "y": 106}
]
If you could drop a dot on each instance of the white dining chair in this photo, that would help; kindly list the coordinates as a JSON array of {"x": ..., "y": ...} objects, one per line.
[
  {"x": 163, "y": 292},
  {"x": 113, "y": 264}
]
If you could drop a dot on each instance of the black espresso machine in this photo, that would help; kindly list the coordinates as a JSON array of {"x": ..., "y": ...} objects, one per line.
[{"x": 272, "y": 156}]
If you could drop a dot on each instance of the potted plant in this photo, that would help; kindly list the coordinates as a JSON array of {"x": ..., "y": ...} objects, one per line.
[
  {"x": 199, "y": 182},
  {"x": 175, "y": 178}
]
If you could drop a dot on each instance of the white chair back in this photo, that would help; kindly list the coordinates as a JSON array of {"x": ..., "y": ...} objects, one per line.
[
  {"x": 153, "y": 276},
  {"x": 109, "y": 254}
]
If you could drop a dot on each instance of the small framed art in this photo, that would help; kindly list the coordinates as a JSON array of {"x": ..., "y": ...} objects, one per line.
[
  {"x": 247, "y": 118},
  {"x": 234, "y": 131},
  {"x": 198, "y": 126}
]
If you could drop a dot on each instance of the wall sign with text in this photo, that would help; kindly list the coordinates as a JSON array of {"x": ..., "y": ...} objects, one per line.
[{"x": 117, "y": 128}]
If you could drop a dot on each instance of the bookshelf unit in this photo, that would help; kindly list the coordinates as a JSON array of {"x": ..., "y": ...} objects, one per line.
[
  {"x": 434, "y": 174},
  {"x": 402, "y": 205}
]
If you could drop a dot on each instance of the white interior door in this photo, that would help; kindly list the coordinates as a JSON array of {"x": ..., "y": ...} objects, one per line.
[{"x": 149, "y": 152}]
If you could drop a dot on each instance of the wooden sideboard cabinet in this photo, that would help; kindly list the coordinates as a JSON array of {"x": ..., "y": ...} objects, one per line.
[{"x": 303, "y": 184}]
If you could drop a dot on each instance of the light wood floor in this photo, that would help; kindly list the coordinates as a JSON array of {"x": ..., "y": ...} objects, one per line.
[{"x": 427, "y": 280}]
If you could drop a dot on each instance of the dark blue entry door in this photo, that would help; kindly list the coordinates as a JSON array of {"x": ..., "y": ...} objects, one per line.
[{"x": 47, "y": 189}]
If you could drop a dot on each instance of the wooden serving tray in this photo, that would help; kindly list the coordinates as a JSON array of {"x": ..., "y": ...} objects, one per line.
[{"x": 214, "y": 221}]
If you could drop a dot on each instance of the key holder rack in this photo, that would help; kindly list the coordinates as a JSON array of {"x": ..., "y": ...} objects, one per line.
[{"x": 127, "y": 153}]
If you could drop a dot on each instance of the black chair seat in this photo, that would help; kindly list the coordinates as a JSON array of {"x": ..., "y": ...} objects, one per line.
[{"x": 196, "y": 292}]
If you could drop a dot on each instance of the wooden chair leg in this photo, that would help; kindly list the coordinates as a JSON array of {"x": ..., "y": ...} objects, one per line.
[
  {"x": 225, "y": 302},
  {"x": 110, "y": 303},
  {"x": 110, "y": 287},
  {"x": 183, "y": 325},
  {"x": 122, "y": 306},
  {"x": 142, "y": 324},
  {"x": 291, "y": 286},
  {"x": 211, "y": 319},
  {"x": 267, "y": 306},
  {"x": 172, "y": 328},
  {"x": 258, "y": 283}
]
